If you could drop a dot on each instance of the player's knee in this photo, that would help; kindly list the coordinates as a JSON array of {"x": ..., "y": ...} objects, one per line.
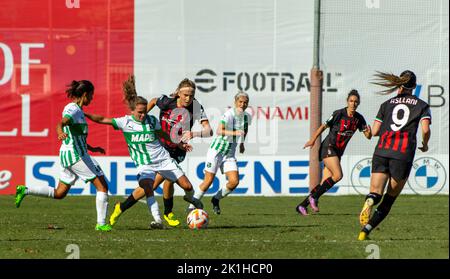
[
  {"x": 233, "y": 183},
  {"x": 60, "y": 195},
  {"x": 337, "y": 177}
]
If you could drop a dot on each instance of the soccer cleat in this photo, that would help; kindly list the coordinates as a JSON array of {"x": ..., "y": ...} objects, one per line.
[
  {"x": 314, "y": 204},
  {"x": 195, "y": 202},
  {"x": 171, "y": 219},
  {"x": 362, "y": 236},
  {"x": 115, "y": 215},
  {"x": 156, "y": 226},
  {"x": 364, "y": 216},
  {"x": 216, "y": 207},
  {"x": 302, "y": 210},
  {"x": 103, "y": 228},
  {"x": 190, "y": 208},
  {"x": 20, "y": 194}
]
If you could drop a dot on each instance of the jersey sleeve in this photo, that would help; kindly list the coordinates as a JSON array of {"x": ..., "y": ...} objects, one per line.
[
  {"x": 380, "y": 114},
  {"x": 426, "y": 113},
  {"x": 361, "y": 124},
  {"x": 332, "y": 119},
  {"x": 69, "y": 113},
  {"x": 162, "y": 102},
  {"x": 155, "y": 122},
  {"x": 199, "y": 112},
  {"x": 248, "y": 119},
  {"x": 119, "y": 123},
  {"x": 226, "y": 118}
]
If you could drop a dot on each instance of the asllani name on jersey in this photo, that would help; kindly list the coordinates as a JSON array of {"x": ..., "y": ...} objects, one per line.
[{"x": 404, "y": 100}]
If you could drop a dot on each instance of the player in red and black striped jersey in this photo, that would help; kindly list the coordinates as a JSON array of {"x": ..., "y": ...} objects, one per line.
[
  {"x": 343, "y": 123},
  {"x": 396, "y": 124},
  {"x": 178, "y": 113}
]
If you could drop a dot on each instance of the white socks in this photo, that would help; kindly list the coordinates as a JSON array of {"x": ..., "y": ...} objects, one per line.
[
  {"x": 154, "y": 209},
  {"x": 199, "y": 194},
  {"x": 101, "y": 202},
  {"x": 222, "y": 193},
  {"x": 43, "y": 191}
]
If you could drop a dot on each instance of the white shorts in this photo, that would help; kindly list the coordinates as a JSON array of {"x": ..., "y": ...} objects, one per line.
[
  {"x": 215, "y": 160},
  {"x": 86, "y": 168},
  {"x": 169, "y": 169}
]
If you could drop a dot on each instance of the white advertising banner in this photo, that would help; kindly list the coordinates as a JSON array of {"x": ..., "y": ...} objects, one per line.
[{"x": 259, "y": 175}]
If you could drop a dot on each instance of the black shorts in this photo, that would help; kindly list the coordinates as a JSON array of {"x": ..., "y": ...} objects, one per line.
[
  {"x": 327, "y": 150},
  {"x": 176, "y": 153},
  {"x": 397, "y": 169}
]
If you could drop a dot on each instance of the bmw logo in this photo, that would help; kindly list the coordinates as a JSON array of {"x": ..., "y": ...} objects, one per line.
[
  {"x": 360, "y": 177},
  {"x": 428, "y": 176}
]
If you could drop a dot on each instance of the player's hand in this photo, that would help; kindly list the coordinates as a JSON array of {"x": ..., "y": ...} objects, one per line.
[
  {"x": 98, "y": 149},
  {"x": 424, "y": 147},
  {"x": 62, "y": 136},
  {"x": 309, "y": 143},
  {"x": 367, "y": 129},
  {"x": 239, "y": 133},
  {"x": 241, "y": 148},
  {"x": 186, "y": 147},
  {"x": 187, "y": 135}
]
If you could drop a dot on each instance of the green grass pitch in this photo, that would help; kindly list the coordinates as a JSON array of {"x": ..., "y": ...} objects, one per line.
[{"x": 249, "y": 228}]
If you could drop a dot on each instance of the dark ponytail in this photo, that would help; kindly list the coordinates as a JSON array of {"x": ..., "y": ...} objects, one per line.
[
  {"x": 407, "y": 80},
  {"x": 130, "y": 95},
  {"x": 77, "y": 88},
  {"x": 354, "y": 92}
]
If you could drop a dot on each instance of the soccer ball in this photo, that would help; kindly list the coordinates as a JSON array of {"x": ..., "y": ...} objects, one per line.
[{"x": 197, "y": 219}]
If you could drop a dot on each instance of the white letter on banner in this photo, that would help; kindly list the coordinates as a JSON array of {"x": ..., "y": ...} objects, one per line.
[
  {"x": 26, "y": 61},
  {"x": 7, "y": 74},
  {"x": 26, "y": 119}
]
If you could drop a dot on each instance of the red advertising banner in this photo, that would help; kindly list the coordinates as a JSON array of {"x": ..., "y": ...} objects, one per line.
[
  {"x": 12, "y": 173},
  {"x": 44, "y": 45}
]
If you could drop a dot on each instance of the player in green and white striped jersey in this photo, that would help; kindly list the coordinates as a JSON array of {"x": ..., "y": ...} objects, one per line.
[
  {"x": 74, "y": 158},
  {"x": 233, "y": 128},
  {"x": 142, "y": 133}
]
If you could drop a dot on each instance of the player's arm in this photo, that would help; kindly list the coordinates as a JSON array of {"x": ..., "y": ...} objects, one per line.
[
  {"x": 376, "y": 127},
  {"x": 65, "y": 121},
  {"x": 205, "y": 132},
  {"x": 241, "y": 146},
  {"x": 317, "y": 133},
  {"x": 222, "y": 131},
  {"x": 151, "y": 104},
  {"x": 182, "y": 145},
  {"x": 367, "y": 132},
  {"x": 99, "y": 118},
  {"x": 426, "y": 133}
]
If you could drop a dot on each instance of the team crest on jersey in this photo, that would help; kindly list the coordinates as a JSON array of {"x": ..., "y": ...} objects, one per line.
[
  {"x": 428, "y": 176},
  {"x": 360, "y": 177}
]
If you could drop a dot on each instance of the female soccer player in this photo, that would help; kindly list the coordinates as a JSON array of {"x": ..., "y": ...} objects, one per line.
[
  {"x": 178, "y": 114},
  {"x": 74, "y": 158},
  {"x": 397, "y": 122},
  {"x": 232, "y": 130},
  {"x": 141, "y": 133},
  {"x": 343, "y": 123}
]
